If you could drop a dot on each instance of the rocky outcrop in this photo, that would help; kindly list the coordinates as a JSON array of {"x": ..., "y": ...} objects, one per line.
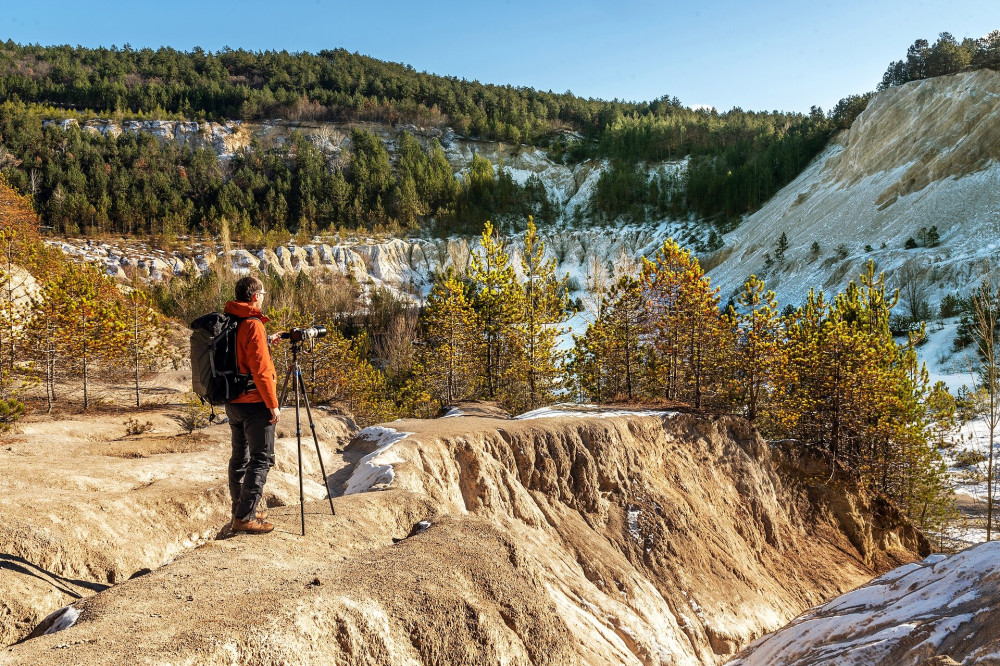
[
  {"x": 406, "y": 266},
  {"x": 600, "y": 538}
]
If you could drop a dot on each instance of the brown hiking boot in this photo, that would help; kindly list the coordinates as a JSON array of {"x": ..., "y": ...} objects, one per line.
[
  {"x": 259, "y": 514},
  {"x": 251, "y": 526}
]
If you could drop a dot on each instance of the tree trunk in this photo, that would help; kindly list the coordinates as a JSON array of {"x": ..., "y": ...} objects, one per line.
[
  {"x": 136, "y": 340},
  {"x": 86, "y": 402}
]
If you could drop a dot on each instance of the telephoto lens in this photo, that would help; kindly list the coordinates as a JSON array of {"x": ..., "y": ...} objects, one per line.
[
  {"x": 313, "y": 332},
  {"x": 300, "y": 334}
]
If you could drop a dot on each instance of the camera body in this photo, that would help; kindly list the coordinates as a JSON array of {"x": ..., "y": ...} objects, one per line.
[{"x": 297, "y": 335}]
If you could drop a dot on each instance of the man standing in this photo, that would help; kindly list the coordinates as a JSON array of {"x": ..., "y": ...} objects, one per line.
[{"x": 253, "y": 415}]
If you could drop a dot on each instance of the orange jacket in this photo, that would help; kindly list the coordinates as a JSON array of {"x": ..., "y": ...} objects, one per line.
[{"x": 253, "y": 355}]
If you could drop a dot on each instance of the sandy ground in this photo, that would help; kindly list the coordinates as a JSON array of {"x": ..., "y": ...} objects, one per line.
[
  {"x": 86, "y": 506},
  {"x": 627, "y": 539}
]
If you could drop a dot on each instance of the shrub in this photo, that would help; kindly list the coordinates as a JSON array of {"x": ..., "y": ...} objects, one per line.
[
  {"x": 11, "y": 410},
  {"x": 929, "y": 237},
  {"x": 134, "y": 426},
  {"x": 910, "y": 244},
  {"x": 194, "y": 413},
  {"x": 842, "y": 252},
  {"x": 967, "y": 458},
  {"x": 952, "y": 305}
]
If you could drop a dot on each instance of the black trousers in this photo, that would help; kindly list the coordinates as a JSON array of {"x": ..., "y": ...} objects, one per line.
[{"x": 253, "y": 455}]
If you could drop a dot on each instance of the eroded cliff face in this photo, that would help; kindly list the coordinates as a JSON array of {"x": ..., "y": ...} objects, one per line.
[
  {"x": 924, "y": 154},
  {"x": 656, "y": 538}
]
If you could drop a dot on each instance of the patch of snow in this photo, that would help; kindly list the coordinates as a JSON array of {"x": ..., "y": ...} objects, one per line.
[
  {"x": 453, "y": 411},
  {"x": 376, "y": 467},
  {"x": 865, "y": 625},
  {"x": 66, "y": 618},
  {"x": 632, "y": 517},
  {"x": 944, "y": 364}
]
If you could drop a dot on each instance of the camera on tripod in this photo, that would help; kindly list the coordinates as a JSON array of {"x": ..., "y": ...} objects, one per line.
[{"x": 310, "y": 334}]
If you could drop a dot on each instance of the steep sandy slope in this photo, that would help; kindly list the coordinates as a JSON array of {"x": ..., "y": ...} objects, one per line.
[
  {"x": 85, "y": 507},
  {"x": 658, "y": 538},
  {"x": 941, "y": 611},
  {"x": 922, "y": 154}
]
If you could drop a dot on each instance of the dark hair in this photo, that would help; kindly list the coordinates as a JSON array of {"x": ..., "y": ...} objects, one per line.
[{"x": 247, "y": 287}]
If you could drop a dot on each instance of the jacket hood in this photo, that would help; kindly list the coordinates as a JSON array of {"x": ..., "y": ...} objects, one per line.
[{"x": 243, "y": 310}]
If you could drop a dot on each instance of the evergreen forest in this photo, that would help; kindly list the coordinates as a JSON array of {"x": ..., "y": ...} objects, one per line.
[{"x": 84, "y": 182}]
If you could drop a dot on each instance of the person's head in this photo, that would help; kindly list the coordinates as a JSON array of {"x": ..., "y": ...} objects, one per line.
[{"x": 249, "y": 290}]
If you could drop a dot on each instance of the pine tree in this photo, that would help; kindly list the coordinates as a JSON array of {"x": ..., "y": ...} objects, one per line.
[
  {"x": 760, "y": 355},
  {"x": 942, "y": 411},
  {"x": 535, "y": 373},
  {"x": 498, "y": 301},
  {"x": 628, "y": 330},
  {"x": 86, "y": 314},
  {"x": 781, "y": 247},
  {"x": 19, "y": 245},
  {"x": 452, "y": 342},
  {"x": 690, "y": 334},
  {"x": 146, "y": 333}
]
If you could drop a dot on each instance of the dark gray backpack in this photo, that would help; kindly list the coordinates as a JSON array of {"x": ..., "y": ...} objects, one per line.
[{"x": 215, "y": 375}]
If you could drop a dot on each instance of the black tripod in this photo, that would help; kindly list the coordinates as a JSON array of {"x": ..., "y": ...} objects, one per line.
[{"x": 298, "y": 382}]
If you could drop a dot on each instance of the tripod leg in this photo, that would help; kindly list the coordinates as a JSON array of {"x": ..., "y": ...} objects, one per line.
[
  {"x": 312, "y": 426},
  {"x": 284, "y": 388},
  {"x": 298, "y": 437}
]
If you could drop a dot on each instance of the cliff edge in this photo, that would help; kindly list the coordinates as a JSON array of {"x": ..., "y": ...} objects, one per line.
[{"x": 570, "y": 537}]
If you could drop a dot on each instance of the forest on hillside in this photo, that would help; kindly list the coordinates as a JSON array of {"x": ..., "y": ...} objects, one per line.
[
  {"x": 86, "y": 183},
  {"x": 946, "y": 56},
  {"x": 738, "y": 158}
]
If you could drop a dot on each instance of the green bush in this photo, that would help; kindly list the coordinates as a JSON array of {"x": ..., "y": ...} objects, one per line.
[
  {"x": 967, "y": 458},
  {"x": 11, "y": 410},
  {"x": 194, "y": 413},
  {"x": 134, "y": 426}
]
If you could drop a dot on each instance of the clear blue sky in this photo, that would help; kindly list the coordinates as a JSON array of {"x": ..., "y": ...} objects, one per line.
[{"x": 756, "y": 55}]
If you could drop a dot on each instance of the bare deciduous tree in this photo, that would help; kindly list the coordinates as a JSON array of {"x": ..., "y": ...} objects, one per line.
[
  {"x": 985, "y": 306},
  {"x": 914, "y": 288}
]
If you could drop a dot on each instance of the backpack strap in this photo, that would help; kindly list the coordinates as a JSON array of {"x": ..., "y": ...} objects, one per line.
[{"x": 239, "y": 320}]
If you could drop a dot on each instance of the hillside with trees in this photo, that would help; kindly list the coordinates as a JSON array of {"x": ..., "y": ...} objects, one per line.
[{"x": 738, "y": 158}]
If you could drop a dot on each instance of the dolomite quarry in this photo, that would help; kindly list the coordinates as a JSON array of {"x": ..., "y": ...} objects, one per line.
[{"x": 576, "y": 536}]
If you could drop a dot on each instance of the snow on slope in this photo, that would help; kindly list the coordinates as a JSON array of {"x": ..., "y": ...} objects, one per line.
[
  {"x": 943, "y": 606},
  {"x": 376, "y": 467},
  {"x": 923, "y": 154}
]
